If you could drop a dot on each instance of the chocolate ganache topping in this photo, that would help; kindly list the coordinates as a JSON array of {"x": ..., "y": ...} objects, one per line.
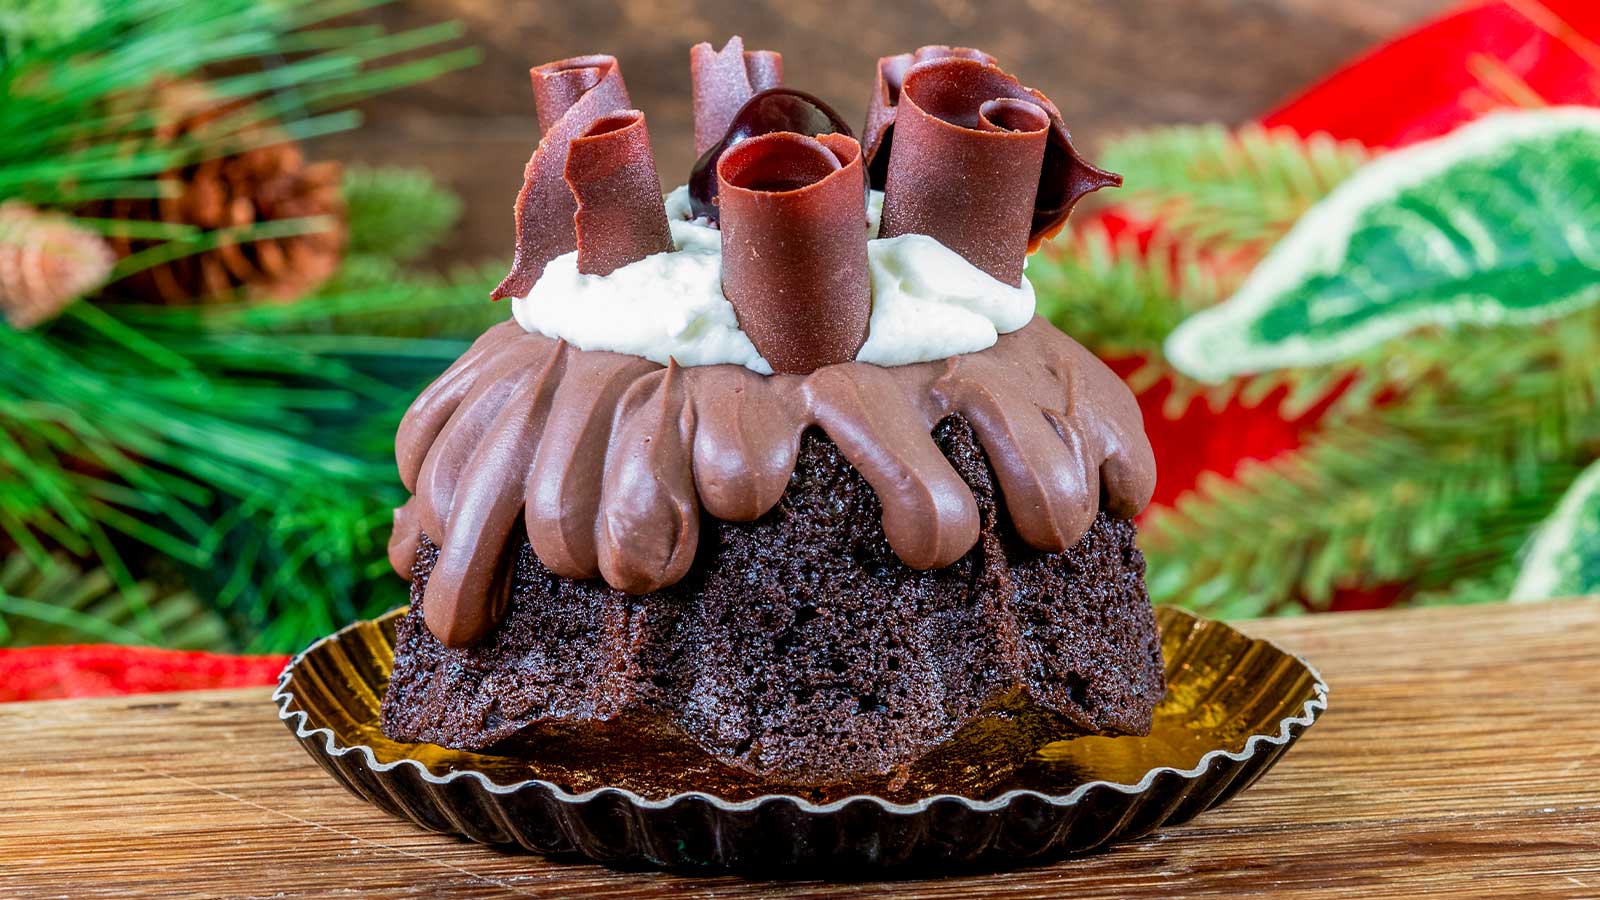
[{"x": 609, "y": 460}]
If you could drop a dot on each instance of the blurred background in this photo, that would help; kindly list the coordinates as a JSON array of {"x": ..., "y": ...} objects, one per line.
[
  {"x": 1111, "y": 67},
  {"x": 237, "y": 237}
]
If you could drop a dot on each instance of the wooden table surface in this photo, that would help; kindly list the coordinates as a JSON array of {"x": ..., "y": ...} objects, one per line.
[
  {"x": 1460, "y": 757},
  {"x": 1111, "y": 65}
]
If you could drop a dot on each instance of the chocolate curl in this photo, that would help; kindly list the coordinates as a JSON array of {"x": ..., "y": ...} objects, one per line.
[
  {"x": 612, "y": 176},
  {"x": 878, "y": 135},
  {"x": 965, "y": 164},
  {"x": 725, "y": 80},
  {"x": 768, "y": 112},
  {"x": 1065, "y": 176},
  {"x": 571, "y": 95},
  {"x": 794, "y": 252}
]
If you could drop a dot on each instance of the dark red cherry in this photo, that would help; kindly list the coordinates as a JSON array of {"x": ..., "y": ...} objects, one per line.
[{"x": 776, "y": 109}]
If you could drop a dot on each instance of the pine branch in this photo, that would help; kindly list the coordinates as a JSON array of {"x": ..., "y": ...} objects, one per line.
[
  {"x": 1122, "y": 301},
  {"x": 61, "y": 603},
  {"x": 1492, "y": 586},
  {"x": 1221, "y": 197},
  {"x": 1442, "y": 484},
  {"x": 372, "y": 304},
  {"x": 396, "y": 214},
  {"x": 27, "y": 23},
  {"x": 1218, "y": 189},
  {"x": 289, "y": 568},
  {"x": 1365, "y": 509},
  {"x": 245, "y": 449},
  {"x": 1102, "y": 288},
  {"x": 148, "y": 428},
  {"x": 84, "y": 118}
]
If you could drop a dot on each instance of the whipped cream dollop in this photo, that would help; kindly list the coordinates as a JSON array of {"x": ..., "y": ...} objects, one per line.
[{"x": 928, "y": 302}]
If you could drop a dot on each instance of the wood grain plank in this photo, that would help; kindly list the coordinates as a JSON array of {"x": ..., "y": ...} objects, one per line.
[{"x": 1460, "y": 757}]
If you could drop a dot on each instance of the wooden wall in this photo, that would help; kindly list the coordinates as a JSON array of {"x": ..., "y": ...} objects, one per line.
[{"x": 1110, "y": 65}]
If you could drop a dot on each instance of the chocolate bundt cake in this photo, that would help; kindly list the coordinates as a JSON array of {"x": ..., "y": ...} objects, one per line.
[{"x": 744, "y": 488}]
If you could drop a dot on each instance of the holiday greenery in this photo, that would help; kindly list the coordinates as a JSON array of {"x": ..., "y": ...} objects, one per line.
[
  {"x": 1443, "y": 447},
  {"x": 1564, "y": 557},
  {"x": 1499, "y": 222},
  {"x": 236, "y": 451},
  {"x": 210, "y": 335},
  {"x": 64, "y": 603}
]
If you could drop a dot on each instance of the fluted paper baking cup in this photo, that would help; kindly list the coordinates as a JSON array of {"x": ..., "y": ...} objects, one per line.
[{"x": 1234, "y": 705}]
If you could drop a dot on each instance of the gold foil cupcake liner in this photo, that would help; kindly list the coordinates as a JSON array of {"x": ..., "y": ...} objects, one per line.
[{"x": 1234, "y": 705}]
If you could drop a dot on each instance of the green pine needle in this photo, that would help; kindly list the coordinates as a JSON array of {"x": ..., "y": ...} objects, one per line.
[
  {"x": 1219, "y": 188},
  {"x": 61, "y": 603},
  {"x": 251, "y": 447},
  {"x": 25, "y": 24},
  {"x": 80, "y": 112},
  {"x": 396, "y": 214},
  {"x": 1105, "y": 290},
  {"x": 1441, "y": 484},
  {"x": 1119, "y": 301},
  {"x": 243, "y": 449}
]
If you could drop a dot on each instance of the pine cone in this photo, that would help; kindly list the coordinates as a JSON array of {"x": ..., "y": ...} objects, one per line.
[
  {"x": 267, "y": 181},
  {"x": 46, "y": 262}
]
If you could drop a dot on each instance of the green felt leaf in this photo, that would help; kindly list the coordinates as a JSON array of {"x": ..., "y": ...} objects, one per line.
[
  {"x": 1498, "y": 222},
  {"x": 1563, "y": 558}
]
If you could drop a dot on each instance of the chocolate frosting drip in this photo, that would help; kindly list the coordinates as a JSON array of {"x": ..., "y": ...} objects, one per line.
[
  {"x": 571, "y": 95},
  {"x": 612, "y": 176},
  {"x": 1065, "y": 176},
  {"x": 609, "y": 458},
  {"x": 723, "y": 80},
  {"x": 794, "y": 254}
]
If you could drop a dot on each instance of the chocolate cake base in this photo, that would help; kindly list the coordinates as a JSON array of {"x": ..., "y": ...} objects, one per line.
[{"x": 800, "y": 650}]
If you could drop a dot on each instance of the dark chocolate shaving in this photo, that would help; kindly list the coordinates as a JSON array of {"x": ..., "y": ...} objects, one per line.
[
  {"x": 879, "y": 133},
  {"x": 772, "y": 110},
  {"x": 558, "y": 85},
  {"x": 612, "y": 176},
  {"x": 725, "y": 80},
  {"x": 1065, "y": 175},
  {"x": 571, "y": 95},
  {"x": 965, "y": 167},
  {"x": 794, "y": 252}
]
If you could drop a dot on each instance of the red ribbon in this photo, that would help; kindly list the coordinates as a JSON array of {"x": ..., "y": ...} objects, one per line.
[{"x": 1483, "y": 56}]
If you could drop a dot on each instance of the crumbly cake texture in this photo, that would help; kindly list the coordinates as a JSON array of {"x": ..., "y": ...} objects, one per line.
[{"x": 801, "y": 650}]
